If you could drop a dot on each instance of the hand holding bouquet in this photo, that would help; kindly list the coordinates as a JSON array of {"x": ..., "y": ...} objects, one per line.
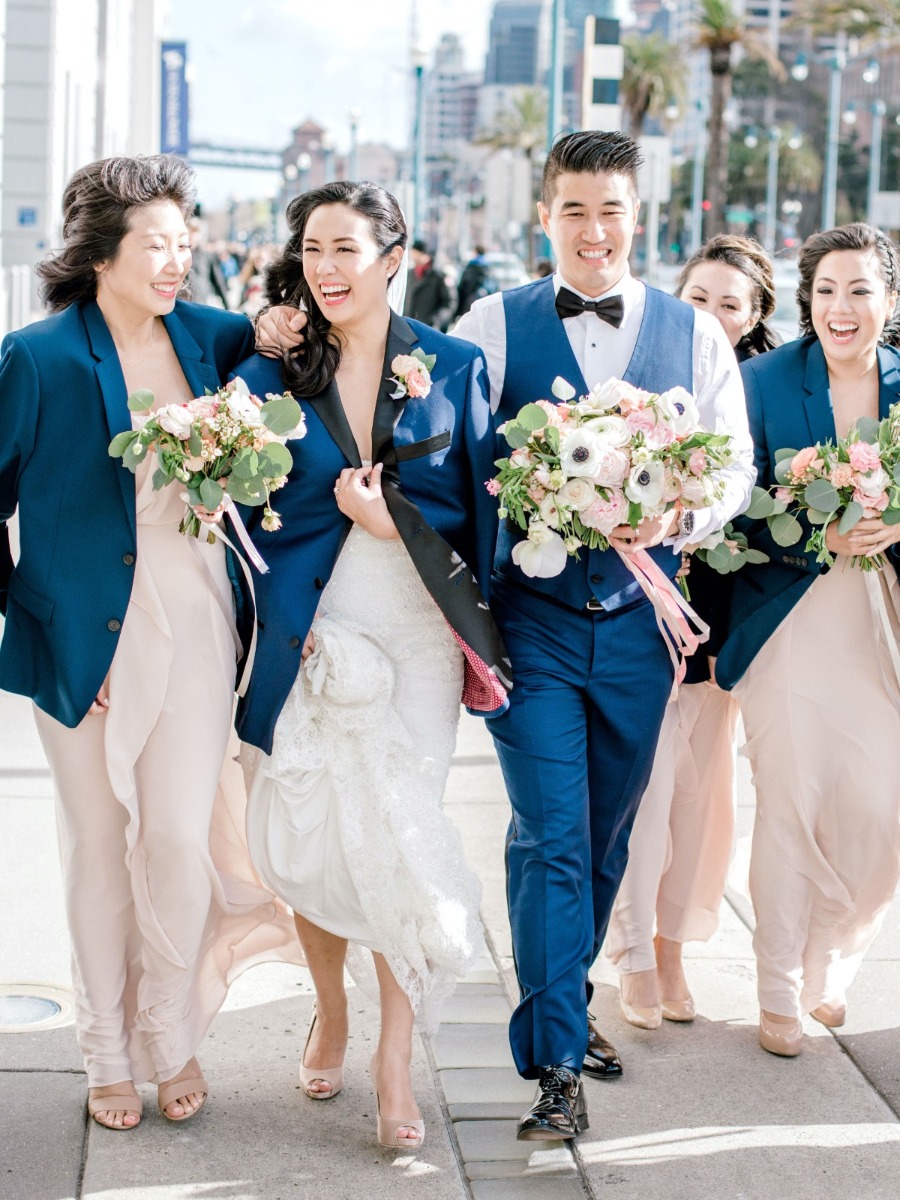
[
  {"x": 225, "y": 444},
  {"x": 581, "y": 468},
  {"x": 848, "y": 480}
]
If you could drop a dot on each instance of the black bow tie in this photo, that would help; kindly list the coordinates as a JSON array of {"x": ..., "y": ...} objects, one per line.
[{"x": 611, "y": 310}]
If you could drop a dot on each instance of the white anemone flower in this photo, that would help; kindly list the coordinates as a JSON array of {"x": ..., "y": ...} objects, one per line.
[
  {"x": 679, "y": 409},
  {"x": 645, "y": 486},
  {"x": 580, "y": 451}
]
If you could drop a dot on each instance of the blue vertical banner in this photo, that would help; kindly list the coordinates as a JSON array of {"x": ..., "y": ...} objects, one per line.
[{"x": 174, "y": 99}]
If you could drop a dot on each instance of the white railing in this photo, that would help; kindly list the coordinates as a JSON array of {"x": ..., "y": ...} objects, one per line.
[{"x": 16, "y": 299}]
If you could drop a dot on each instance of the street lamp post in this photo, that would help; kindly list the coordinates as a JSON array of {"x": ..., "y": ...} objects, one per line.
[
  {"x": 772, "y": 188},
  {"x": 418, "y": 213},
  {"x": 878, "y": 110},
  {"x": 697, "y": 181},
  {"x": 353, "y": 116},
  {"x": 327, "y": 157},
  {"x": 558, "y": 38},
  {"x": 829, "y": 198},
  {"x": 304, "y": 162}
]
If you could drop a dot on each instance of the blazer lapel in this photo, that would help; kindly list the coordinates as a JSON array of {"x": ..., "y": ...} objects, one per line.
[
  {"x": 817, "y": 401},
  {"x": 201, "y": 376},
  {"x": 388, "y": 411},
  {"x": 112, "y": 388},
  {"x": 889, "y": 387}
]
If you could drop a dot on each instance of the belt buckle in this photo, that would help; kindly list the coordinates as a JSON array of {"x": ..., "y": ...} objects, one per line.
[{"x": 594, "y": 605}]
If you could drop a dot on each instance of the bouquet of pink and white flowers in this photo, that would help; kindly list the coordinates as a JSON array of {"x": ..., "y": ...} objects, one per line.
[
  {"x": 224, "y": 444},
  {"x": 581, "y": 467},
  {"x": 844, "y": 480}
]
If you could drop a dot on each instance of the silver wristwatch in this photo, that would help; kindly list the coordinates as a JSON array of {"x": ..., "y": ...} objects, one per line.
[{"x": 686, "y": 522}]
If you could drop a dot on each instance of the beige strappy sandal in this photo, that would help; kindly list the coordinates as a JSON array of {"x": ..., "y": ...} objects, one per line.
[
  {"x": 172, "y": 1089},
  {"x": 99, "y": 1104}
]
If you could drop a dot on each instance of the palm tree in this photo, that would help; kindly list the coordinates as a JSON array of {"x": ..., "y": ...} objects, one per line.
[
  {"x": 653, "y": 77},
  {"x": 521, "y": 127},
  {"x": 719, "y": 30},
  {"x": 867, "y": 20}
]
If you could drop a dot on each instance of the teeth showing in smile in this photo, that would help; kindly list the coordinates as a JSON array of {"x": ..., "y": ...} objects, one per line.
[
  {"x": 334, "y": 289},
  {"x": 839, "y": 330},
  {"x": 594, "y": 254}
]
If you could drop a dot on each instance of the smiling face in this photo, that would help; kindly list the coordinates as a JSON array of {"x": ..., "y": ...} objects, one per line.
[
  {"x": 850, "y": 305},
  {"x": 344, "y": 266},
  {"x": 150, "y": 266},
  {"x": 590, "y": 224},
  {"x": 727, "y": 293}
]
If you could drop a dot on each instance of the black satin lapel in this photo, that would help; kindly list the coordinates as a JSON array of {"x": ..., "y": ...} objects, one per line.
[
  {"x": 330, "y": 412},
  {"x": 400, "y": 340}
]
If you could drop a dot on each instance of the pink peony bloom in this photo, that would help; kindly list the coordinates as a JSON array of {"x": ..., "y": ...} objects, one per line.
[
  {"x": 605, "y": 515},
  {"x": 863, "y": 456},
  {"x": 697, "y": 461},
  {"x": 640, "y": 420},
  {"x": 662, "y": 434},
  {"x": 842, "y": 475}
]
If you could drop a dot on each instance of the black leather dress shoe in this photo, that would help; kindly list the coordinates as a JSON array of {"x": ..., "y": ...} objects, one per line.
[
  {"x": 559, "y": 1110},
  {"x": 601, "y": 1060}
]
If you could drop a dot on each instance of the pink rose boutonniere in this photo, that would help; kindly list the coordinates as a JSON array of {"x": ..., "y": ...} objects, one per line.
[{"x": 412, "y": 374}]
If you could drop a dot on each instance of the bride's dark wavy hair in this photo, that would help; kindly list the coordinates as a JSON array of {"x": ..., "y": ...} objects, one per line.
[{"x": 310, "y": 372}]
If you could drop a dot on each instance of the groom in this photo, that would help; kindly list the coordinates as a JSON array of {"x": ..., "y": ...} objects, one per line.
[{"x": 593, "y": 672}]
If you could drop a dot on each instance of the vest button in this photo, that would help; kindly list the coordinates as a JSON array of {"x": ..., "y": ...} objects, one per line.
[
  {"x": 128, "y": 560},
  {"x": 113, "y": 625},
  {"x": 294, "y": 643}
]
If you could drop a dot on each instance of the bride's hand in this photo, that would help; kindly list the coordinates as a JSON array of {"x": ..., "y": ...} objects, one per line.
[
  {"x": 101, "y": 702},
  {"x": 870, "y": 536},
  {"x": 309, "y": 646},
  {"x": 359, "y": 496},
  {"x": 279, "y": 328}
]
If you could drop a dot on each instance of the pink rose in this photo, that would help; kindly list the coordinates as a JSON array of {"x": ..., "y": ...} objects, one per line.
[
  {"x": 802, "y": 461},
  {"x": 863, "y": 456},
  {"x": 842, "y": 475},
  {"x": 416, "y": 384},
  {"x": 872, "y": 505},
  {"x": 697, "y": 461}
]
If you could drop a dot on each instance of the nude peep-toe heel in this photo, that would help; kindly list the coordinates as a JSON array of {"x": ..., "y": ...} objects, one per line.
[
  {"x": 182, "y": 1086},
  {"x": 333, "y": 1076},
  {"x": 388, "y": 1128},
  {"x": 99, "y": 1104}
]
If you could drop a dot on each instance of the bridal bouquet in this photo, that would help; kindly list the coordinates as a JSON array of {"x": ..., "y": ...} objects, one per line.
[
  {"x": 617, "y": 456},
  {"x": 844, "y": 480},
  {"x": 224, "y": 444}
]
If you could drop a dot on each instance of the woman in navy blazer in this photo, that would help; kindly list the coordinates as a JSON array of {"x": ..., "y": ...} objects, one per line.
[
  {"x": 809, "y": 653},
  {"x": 121, "y": 631},
  {"x": 372, "y": 625}
]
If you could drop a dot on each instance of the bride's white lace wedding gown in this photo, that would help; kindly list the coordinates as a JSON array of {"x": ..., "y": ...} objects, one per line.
[{"x": 344, "y": 819}]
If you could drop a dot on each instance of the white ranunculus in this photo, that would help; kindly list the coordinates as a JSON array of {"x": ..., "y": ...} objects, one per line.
[
  {"x": 577, "y": 493},
  {"x": 176, "y": 419},
  {"x": 243, "y": 409},
  {"x": 611, "y": 429},
  {"x": 679, "y": 408},
  {"x": 645, "y": 486},
  {"x": 542, "y": 554},
  {"x": 579, "y": 452},
  {"x": 693, "y": 492},
  {"x": 549, "y": 511}
]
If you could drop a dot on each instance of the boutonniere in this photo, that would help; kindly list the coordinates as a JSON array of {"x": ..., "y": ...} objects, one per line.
[{"x": 412, "y": 374}]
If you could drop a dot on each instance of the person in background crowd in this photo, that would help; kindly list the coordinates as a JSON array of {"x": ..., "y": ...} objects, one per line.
[
  {"x": 473, "y": 283},
  {"x": 427, "y": 294},
  {"x": 207, "y": 280},
  {"x": 681, "y": 842}
]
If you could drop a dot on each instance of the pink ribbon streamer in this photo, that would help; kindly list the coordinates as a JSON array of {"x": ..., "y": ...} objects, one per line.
[{"x": 672, "y": 610}]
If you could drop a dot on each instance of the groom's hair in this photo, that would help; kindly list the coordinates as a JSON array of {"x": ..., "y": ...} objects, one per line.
[{"x": 590, "y": 151}]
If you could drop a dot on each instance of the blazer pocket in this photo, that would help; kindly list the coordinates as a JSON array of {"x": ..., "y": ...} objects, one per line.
[
  {"x": 431, "y": 445},
  {"x": 37, "y": 605}
]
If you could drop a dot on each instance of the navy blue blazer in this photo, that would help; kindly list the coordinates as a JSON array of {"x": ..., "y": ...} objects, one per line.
[
  {"x": 788, "y": 405},
  {"x": 438, "y": 450},
  {"x": 62, "y": 399}
]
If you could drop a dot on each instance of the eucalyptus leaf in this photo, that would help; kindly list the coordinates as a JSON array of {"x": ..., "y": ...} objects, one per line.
[
  {"x": 852, "y": 515},
  {"x": 756, "y": 556},
  {"x": 282, "y": 415},
  {"x": 252, "y": 494},
  {"x": 784, "y": 453},
  {"x": 761, "y": 504},
  {"x": 160, "y": 479},
  {"x": 821, "y": 494},
  {"x": 515, "y": 436},
  {"x": 275, "y": 460},
  {"x": 122, "y": 441},
  {"x": 891, "y": 516},
  {"x": 719, "y": 558},
  {"x": 211, "y": 494},
  {"x": 140, "y": 401},
  {"x": 817, "y": 517},
  {"x": 896, "y": 473},
  {"x": 193, "y": 495},
  {"x": 783, "y": 471},
  {"x": 551, "y": 437},
  {"x": 786, "y": 530},
  {"x": 195, "y": 443},
  {"x": 867, "y": 428},
  {"x": 531, "y": 417},
  {"x": 246, "y": 463}
]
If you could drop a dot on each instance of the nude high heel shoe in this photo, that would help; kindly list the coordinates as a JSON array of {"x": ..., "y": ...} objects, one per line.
[
  {"x": 832, "y": 1013},
  {"x": 782, "y": 1038},
  {"x": 388, "y": 1128},
  {"x": 334, "y": 1076}
]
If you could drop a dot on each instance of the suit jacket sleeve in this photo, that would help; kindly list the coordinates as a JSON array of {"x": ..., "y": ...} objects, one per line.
[
  {"x": 19, "y": 393},
  {"x": 480, "y": 439}
]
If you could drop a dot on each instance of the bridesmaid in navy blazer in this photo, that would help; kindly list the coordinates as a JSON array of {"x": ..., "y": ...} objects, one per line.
[
  {"x": 121, "y": 630},
  {"x": 809, "y": 654}
]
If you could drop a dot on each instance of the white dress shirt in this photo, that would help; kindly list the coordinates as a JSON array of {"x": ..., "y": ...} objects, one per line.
[{"x": 604, "y": 352}]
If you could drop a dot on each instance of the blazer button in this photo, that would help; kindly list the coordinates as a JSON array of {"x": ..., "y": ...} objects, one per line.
[
  {"x": 318, "y": 583},
  {"x": 113, "y": 625},
  {"x": 128, "y": 560},
  {"x": 294, "y": 643},
  {"x": 596, "y": 578}
]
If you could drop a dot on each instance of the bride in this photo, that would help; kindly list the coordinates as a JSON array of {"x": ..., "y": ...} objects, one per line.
[{"x": 372, "y": 626}]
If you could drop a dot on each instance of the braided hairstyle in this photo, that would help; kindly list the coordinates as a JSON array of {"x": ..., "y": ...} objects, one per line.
[
  {"x": 748, "y": 257},
  {"x": 857, "y": 236}
]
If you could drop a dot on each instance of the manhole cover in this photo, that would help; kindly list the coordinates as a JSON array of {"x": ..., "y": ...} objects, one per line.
[{"x": 25, "y": 1007}]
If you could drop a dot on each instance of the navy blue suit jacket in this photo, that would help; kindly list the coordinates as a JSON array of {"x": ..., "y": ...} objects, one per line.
[
  {"x": 788, "y": 405},
  {"x": 444, "y": 448},
  {"x": 62, "y": 399}
]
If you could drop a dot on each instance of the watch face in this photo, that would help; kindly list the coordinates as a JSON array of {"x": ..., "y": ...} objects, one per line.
[{"x": 687, "y": 521}]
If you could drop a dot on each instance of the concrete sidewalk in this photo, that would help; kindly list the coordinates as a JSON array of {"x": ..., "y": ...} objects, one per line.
[{"x": 700, "y": 1112}]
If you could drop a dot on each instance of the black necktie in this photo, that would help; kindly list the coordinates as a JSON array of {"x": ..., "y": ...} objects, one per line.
[{"x": 611, "y": 310}]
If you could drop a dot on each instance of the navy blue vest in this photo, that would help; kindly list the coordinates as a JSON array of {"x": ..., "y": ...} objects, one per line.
[{"x": 537, "y": 350}]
